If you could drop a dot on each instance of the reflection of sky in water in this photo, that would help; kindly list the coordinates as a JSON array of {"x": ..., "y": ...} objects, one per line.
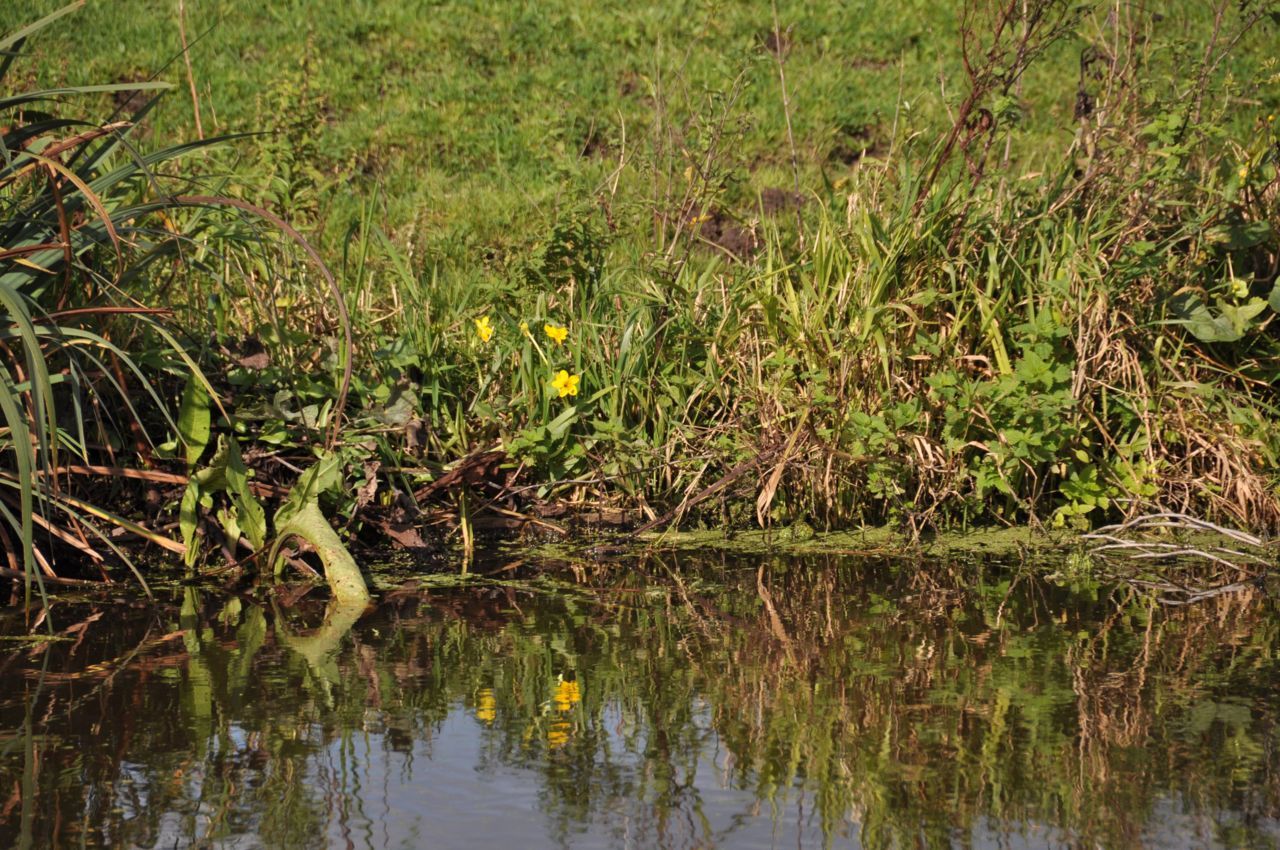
[
  {"x": 447, "y": 791},
  {"x": 549, "y": 724}
]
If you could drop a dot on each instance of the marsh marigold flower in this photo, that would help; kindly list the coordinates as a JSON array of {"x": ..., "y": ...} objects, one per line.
[
  {"x": 567, "y": 695},
  {"x": 484, "y": 330},
  {"x": 565, "y": 383},
  {"x": 486, "y": 706},
  {"x": 557, "y": 334},
  {"x": 558, "y": 734}
]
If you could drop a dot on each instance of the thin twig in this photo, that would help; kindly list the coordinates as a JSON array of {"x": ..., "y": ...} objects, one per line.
[
  {"x": 339, "y": 301},
  {"x": 786, "y": 113},
  {"x": 186, "y": 58}
]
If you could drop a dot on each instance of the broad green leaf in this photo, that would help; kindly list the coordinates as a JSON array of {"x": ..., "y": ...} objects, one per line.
[
  {"x": 194, "y": 420},
  {"x": 557, "y": 427},
  {"x": 1237, "y": 237},
  {"x": 1230, "y": 323},
  {"x": 253, "y": 520},
  {"x": 229, "y": 519},
  {"x": 324, "y": 474},
  {"x": 189, "y": 519}
]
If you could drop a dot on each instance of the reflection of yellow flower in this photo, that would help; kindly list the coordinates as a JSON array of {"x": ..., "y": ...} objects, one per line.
[
  {"x": 484, "y": 330},
  {"x": 486, "y": 706},
  {"x": 567, "y": 384},
  {"x": 567, "y": 695},
  {"x": 558, "y": 734},
  {"x": 557, "y": 334}
]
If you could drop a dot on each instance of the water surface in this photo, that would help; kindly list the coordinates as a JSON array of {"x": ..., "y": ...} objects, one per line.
[{"x": 656, "y": 702}]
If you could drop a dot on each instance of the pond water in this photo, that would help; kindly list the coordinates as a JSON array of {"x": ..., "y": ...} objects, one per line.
[{"x": 660, "y": 701}]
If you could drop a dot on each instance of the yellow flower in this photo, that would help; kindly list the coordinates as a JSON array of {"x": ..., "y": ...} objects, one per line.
[
  {"x": 486, "y": 706},
  {"x": 484, "y": 330},
  {"x": 557, "y": 334},
  {"x": 1244, "y": 171},
  {"x": 1239, "y": 288},
  {"x": 524, "y": 328},
  {"x": 567, "y": 695},
  {"x": 566, "y": 384},
  {"x": 558, "y": 734}
]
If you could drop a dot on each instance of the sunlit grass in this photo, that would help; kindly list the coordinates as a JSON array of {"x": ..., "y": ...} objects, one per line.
[{"x": 597, "y": 242}]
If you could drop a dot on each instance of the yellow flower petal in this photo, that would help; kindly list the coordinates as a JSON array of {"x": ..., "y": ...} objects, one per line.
[
  {"x": 565, "y": 384},
  {"x": 567, "y": 695},
  {"x": 486, "y": 706},
  {"x": 556, "y": 333},
  {"x": 558, "y": 734}
]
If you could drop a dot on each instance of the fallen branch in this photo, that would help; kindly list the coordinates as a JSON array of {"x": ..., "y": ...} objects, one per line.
[{"x": 1123, "y": 542}]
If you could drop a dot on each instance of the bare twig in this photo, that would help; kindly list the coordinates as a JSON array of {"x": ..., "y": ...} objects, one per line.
[
  {"x": 1124, "y": 540},
  {"x": 186, "y": 58},
  {"x": 778, "y": 51}
]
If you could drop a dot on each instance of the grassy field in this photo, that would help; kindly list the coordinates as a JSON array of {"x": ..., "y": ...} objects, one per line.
[
  {"x": 474, "y": 126},
  {"x": 828, "y": 263}
]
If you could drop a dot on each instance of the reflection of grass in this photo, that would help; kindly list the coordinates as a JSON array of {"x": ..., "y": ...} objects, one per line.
[{"x": 921, "y": 707}]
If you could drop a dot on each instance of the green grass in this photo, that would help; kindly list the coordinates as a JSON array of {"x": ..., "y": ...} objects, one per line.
[
  {"x": 468, "y": 122},
  {"x": 472, "y": 127},
  {"x": 1081, "y": 330}
]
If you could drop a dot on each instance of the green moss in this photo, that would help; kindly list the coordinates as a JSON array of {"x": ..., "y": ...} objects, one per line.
[{"x": 1016, "y": 542}]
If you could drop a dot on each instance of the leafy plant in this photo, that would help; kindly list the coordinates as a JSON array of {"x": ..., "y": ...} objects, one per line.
[{"x": 80, "y": 357}]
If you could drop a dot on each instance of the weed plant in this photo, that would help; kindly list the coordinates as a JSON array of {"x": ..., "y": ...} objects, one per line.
[{"x": 645, "y": 279}]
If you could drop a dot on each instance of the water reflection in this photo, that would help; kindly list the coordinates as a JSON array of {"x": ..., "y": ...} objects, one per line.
[{"x": 823, "y": 703}]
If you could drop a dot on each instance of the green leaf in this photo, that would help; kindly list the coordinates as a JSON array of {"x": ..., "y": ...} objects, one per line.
[
  {"x": 556, "y": 427},
  {"x": 252, "y": 518},
  {"x": 229, "y": 519},
  {"x": 189, "y": 519},
  {"x": 300, "y": 516},
  {"x": 324, "y": 474},
  {"x": 1237, "y": 237},
  {"x": 194, "y": 419},
  {"x": 1231, "y": 322}
]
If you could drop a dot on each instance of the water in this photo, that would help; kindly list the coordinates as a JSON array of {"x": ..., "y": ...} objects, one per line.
[{"x": 767, "y": 703}]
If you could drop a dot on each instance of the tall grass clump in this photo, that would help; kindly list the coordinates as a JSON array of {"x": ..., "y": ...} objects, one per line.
[
  {"x": 973, "y": 319},
  {"x": 79, "y": 230},
  {"x": 107, "y": 410},
  {"x": 954, "y": 337}
]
